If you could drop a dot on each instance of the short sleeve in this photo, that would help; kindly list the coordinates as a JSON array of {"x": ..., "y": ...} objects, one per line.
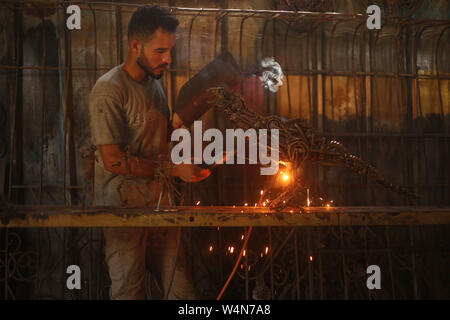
[{"x": 107, "y": 119}]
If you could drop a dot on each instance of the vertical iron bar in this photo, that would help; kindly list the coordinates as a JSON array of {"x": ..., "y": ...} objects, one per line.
[
  {"x": 310, "y": 266},
  {"x": 271, "y": 264},
  {"x": 441, "y": 103},
  {"x": 43, "y": 73},
  {"x": 6, "y": 263},
  {"x": 118, "y": 15},
  {"x": 391, "y": 273},
  {"x": 297, "y": 275},
  {"x": 246, "y": 268},
  {"x": 16, "y": 150},
  {"x": 413, "y": 263},
  {"x": 319, "y": 253},
  {"x": 286, "y": 66}
]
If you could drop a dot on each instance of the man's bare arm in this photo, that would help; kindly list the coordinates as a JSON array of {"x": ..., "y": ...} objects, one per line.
[{"x": 115, "y": 161}]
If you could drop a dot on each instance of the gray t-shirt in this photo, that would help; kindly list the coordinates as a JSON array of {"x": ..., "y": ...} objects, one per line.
[{"x": 135, "y": 116}]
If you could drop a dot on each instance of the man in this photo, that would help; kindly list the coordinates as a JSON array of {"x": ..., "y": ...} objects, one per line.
[{"x": 130, "y": 122}]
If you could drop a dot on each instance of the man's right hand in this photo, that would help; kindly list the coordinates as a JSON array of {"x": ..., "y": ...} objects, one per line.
[{"x": 190, "y": 172}]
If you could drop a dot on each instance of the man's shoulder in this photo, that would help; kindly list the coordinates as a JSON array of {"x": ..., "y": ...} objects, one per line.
[{"x": 110, "y": 84}]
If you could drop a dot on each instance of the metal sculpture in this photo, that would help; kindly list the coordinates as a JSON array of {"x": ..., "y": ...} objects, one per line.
[{"x": 298, "y": 142}]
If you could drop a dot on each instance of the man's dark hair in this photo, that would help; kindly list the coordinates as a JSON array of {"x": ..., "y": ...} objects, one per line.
[{"x": 147, "y": 18}]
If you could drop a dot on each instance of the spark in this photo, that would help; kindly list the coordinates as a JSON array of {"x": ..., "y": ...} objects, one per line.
[
  {"x": 308, "y": 202},
  {"x": 310, "y": 258},
  {"x": 244, "y": 253},
  {"x": 198, "y": 202},
  {"x": 210, "y": 248},
  {"x": 255, "y": 204},
  {"x": 285, "y": 177},
  {"x": 242, "y": 237},
  {"x": 246, "y": 204},
  {"x": 292, "y": 211},
  {"x": 267, "y": 250},
  {"x": 218, "y": 228},
  {"x": 261, "y": 192},
  {"x": 242, "y": 211},
  {"x": 231, "y": 249}
]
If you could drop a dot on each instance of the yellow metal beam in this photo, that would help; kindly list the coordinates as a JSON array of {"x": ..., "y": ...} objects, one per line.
[{"x": 43, "y": 216}]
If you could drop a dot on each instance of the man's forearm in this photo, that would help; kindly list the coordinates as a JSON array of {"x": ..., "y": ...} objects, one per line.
[
  {"x": 134, "y": 166},
  {"x": 119, "y": 162}
]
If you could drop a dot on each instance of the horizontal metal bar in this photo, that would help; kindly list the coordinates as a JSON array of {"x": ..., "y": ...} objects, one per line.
[
  {"x": 30, "y": 186},
  {"x": 46, "y": 216},
  {"x": 251, "y": 72},
  {"x": 282, "y": 14},
  {"x": 399, "y": 135}
]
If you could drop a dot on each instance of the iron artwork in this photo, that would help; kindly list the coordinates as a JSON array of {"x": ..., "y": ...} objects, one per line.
[{"x": 299, "y": 142}]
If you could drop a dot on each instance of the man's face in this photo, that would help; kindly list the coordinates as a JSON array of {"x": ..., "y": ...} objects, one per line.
[{"x": 155, "y": 54}]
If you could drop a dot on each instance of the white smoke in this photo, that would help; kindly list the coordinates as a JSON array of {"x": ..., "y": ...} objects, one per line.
[{"x": 271, "y": 75}]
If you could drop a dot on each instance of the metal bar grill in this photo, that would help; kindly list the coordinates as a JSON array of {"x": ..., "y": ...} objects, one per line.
[{"x": 342, "y": 92}]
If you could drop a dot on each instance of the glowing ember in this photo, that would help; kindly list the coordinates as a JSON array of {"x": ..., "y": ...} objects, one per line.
[{"x": 264, "y": 204}]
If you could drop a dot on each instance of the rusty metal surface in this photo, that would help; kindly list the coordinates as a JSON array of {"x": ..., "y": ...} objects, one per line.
[{"x": 28, "y": 217}]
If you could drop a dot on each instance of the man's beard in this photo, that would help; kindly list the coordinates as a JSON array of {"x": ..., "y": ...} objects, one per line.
[{"x": 142, "y": 63}]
